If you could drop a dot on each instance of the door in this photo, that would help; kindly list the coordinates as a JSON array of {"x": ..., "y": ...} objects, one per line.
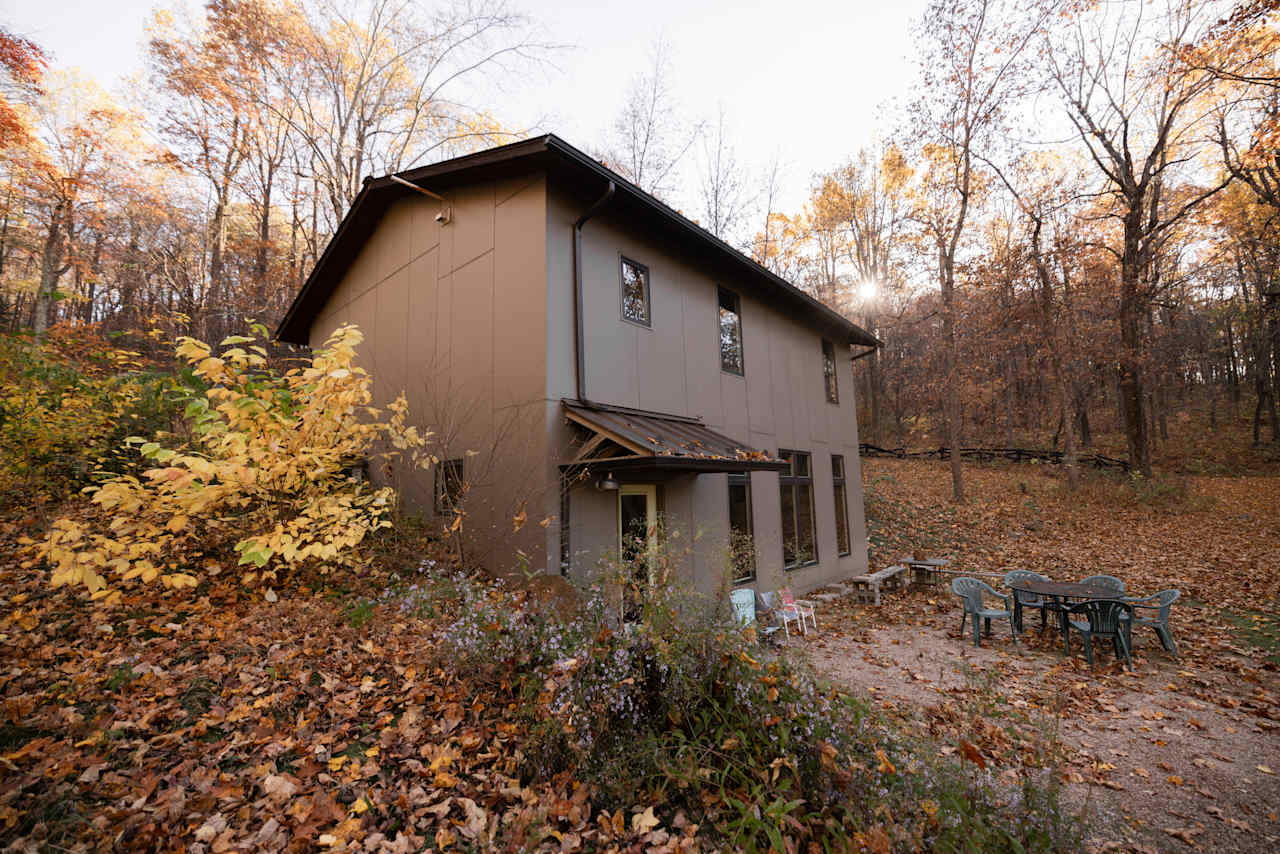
[{"x": 637, "y": 541}]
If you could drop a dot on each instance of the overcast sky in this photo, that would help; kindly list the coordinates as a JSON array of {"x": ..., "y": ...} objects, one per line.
[{"x": 804, "y": 78}]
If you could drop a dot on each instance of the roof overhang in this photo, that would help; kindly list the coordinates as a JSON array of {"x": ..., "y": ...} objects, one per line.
[
  {"x": 623, "y": 439},
  {"x": 577, "y": 173}
]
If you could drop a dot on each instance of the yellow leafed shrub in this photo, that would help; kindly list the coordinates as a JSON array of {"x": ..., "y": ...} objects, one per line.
[{"x": 267, "y": 474}]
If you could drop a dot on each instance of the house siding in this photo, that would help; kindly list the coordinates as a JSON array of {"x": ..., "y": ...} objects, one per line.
[
  {"x": 673, "y": 366},
  {"x": 454, "y": 317}
]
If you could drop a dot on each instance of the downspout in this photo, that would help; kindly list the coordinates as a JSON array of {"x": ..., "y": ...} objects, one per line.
[{"x": 579, "y": 352}]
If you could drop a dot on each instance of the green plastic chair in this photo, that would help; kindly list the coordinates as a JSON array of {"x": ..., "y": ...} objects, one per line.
[
  {"x": 1106, "y": 619},
  {"x": 1023, "y": 599},
  {"x": 970, "y": 591},
  {"x": 1160, "y": 603},
  {"x": 1107, "y": 582}
]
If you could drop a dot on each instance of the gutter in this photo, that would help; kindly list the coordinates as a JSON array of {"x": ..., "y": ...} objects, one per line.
[{"x": 579, "y": 351}]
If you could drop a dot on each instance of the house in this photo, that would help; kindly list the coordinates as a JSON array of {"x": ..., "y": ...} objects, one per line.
[{"x": 591, "y": 361}]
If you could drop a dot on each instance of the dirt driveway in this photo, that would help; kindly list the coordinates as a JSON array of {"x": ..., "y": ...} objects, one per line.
[{"x": 1171, "y": 757}]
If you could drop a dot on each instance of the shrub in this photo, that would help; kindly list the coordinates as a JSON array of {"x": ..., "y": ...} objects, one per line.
[
  {"x": 682, "y": 709},
  {"x": 63, "y": 412},
  {"x": 267, "y": 474}
]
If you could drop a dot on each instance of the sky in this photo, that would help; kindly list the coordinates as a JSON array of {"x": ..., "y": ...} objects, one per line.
[{"x": 805, "y": 80}]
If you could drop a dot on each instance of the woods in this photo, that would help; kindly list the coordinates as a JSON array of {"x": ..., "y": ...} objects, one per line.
[{"x": 1076, "y": 183}]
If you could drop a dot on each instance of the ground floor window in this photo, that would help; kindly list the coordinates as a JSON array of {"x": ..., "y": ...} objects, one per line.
[
  {"x": 842, "y": 504},
  {"x": 450, "y": 485},
  {"x": 799, "y": 547},
  {"x": 742, "y": 549}
]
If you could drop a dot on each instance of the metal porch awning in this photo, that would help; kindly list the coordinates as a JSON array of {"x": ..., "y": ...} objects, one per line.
[{"x": 628, "y": 439}]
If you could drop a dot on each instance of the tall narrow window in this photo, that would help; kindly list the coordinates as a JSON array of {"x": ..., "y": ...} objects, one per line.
[
  {"x": 450, "y": 485},
  {"x": 829, "y": 371},
  {"x": 730, "y": 333},
  {"x": 635, "y": 292},
  {"x": 842, "y": 504},
  {"x": 796, "y": 483},
  {"x": 742, "y": 548}
]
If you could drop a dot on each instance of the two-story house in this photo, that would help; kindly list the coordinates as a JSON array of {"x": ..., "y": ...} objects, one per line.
[{"x": 591, "y": 362}]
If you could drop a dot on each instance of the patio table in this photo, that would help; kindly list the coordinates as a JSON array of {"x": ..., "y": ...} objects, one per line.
[{"x": 1060, "y": 592}]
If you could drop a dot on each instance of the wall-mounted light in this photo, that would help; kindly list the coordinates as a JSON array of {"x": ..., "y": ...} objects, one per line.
[{"x": 607, "y": 483}]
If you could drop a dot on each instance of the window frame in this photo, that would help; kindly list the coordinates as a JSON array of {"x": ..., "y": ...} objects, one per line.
[
  {"x": 743, "y": 479},
  {"x": 647, "y": 323},
  {"x": 830, "y": 379},
  {"x": 840, "y": 498},
  {"x": 793, "y": 481},
  {"x": 458, "y": 465},
  {"x": 721, "y": 292}
]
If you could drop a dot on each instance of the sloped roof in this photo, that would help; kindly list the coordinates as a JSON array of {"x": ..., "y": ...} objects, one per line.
[
  {"x": 577, "y": 172},
  {"x": 666, "y": 441}
]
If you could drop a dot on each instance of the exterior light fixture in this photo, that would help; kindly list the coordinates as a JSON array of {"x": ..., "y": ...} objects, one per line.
[{"x": 607, "y": 483}]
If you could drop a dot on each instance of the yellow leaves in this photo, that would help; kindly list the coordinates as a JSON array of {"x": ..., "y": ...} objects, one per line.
[
  {"x": 885, "y": 766},
  {"x": 266, "y": 473},
  {"x": 643, "y": 822}
]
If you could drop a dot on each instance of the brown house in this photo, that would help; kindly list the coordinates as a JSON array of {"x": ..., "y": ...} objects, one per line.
[{"x": 590, "y": 358}]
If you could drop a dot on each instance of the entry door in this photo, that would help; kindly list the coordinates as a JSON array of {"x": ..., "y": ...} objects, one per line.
[{"x": 638, "y": 540}]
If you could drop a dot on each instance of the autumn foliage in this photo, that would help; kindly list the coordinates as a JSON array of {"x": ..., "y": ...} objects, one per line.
[{"x": 265, "y": 479}]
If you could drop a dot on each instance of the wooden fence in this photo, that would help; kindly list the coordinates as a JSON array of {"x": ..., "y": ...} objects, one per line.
[{"x": 1016, "y": 455}]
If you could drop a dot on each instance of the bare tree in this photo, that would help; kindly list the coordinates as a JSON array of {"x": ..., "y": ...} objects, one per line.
[
  {"x": 1141, "y": 115},
  {"x": 650, "y": 138},
  {"x": 724, "y": 185},
  {"x": 376, "y": 86}
]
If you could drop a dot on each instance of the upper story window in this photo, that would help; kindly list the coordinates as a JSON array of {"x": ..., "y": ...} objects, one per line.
[
  {"x": 635, "y": 292},
  {"x": 829, "y": 371},
  {"x": 730, "y": 332}
]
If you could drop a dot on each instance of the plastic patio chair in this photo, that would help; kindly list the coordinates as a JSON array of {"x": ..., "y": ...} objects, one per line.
[
  {"x": 1023, "y": 599},
  {"x": 970, "y": 591},
  {"x": 802, "y": 608},
  {"x": 1160, "y": 603},
  {"x": 771, "y": 613},
  {"x": 1106, "y": 619},
  {"x": 1106, "y": 582},
  {"x": 743, "y": 601}
]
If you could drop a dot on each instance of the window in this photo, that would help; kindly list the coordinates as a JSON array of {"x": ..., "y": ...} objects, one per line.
[
  {"x": 829, "y": 371},
  {"x": 842, "y": 504},
  {"x": 450, "y": 486},
  {"x": 798, "y": 546},
  {"x": 635, "y": 292},
  {"x": 730, "y": 333},
  {"x": 742, "y": 549}
]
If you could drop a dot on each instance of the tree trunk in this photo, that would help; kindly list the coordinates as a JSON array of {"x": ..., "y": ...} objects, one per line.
[
  {"x": 51, "y": 269},
  {"x": 1132, "y": 314},
  {"x": 953, "y": 366}
]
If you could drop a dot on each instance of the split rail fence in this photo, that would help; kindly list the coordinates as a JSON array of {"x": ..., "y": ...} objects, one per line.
[{"x": 1016, "y": 455}]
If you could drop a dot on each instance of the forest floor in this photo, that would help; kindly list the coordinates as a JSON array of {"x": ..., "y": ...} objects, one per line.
[{"x": 1179, "y": 755}]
